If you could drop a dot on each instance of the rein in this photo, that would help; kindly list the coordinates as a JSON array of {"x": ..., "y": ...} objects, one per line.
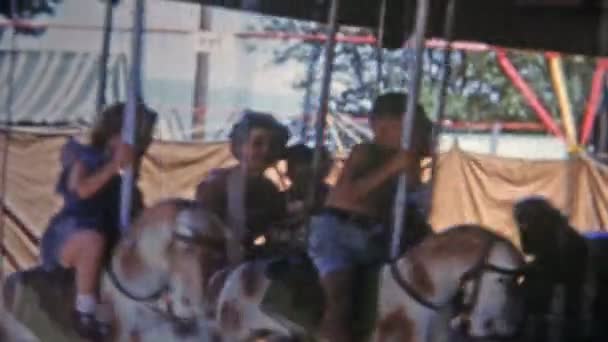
[{"x": 137, "y": 298}]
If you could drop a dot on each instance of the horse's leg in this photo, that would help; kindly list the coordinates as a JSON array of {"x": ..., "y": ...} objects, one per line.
[
  {"x": 118, "y": 311},
  {"x": 401, "y": 318},
  {"x": 238, "y": 310}
]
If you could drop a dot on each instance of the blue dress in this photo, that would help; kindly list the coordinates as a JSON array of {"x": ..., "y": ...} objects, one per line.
[{"x": 99, "y": 213}]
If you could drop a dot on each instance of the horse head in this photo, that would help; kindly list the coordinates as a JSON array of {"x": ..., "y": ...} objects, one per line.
[
  {"x": 166, "y": 260},
  {"x": 197, "y": 251},
  {"x": 490, "y": 299},
  {"x": 539, "y": 224},
  {"x": 470, "y": 272}
]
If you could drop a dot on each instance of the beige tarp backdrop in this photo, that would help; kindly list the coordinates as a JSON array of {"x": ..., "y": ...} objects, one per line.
[
  {"x": 481, "y": 189},
  {"x": 470, "y": 188}
]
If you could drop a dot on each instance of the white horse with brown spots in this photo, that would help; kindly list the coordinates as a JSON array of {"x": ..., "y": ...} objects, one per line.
[
  {"x": 152, "y": 289},
  {"x": 465, "y": 277},
  {"x": 154, "y": 285}
]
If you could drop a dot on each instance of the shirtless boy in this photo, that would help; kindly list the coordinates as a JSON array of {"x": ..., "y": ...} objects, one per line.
[{"x": 353, "y": 228}]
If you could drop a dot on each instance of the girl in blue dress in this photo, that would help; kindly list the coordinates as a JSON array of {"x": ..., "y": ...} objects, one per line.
[{"x": 84, "y": 230}]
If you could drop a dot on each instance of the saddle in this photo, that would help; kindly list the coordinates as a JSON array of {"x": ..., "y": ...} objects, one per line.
[
  {"x": 42, "y": 301},
  {"x": 295, "y": 294}
]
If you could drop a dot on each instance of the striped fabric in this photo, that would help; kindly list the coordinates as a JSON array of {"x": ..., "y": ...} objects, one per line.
[
  {"x": 59, "y": 89},
  {"x": 56, "y": 87}
]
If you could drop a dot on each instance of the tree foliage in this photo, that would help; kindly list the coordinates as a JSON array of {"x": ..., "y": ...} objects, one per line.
[
  {"x": 28, "y": 9},
  {"x": 478, "y": 90}
]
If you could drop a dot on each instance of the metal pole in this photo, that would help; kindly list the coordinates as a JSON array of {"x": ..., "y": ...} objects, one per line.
[
  {"x": 324, "y": 99},
  {"x": 130, "y": 114},
  {"x": 379, "y": 44},
  {"x": 496, "y": 129},
  {"x": 105, "y": 54},
  {"x": 422, "y": 9},
  {"x": 310, "y": 81},
  {"x": 7, "y": 139},
  {"x": 446, "y": 74},
  {"x": 201, "y": 81}
]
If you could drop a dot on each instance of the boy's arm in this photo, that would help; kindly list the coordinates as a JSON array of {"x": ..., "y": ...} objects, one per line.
[{"x": 362, "y": 186}]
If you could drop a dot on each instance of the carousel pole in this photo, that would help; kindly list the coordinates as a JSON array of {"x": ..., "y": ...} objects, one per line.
[
  {"x": 422, "y": 9},
  {"x": 130, "y": 113},
  {"x": 441, "y": 99},
  {"x": 321, "y": 120},
  {"x": 105, "y": 55},
  {"x": 379, "y": 44},
  {"x": 310, "y": 80},
  {"x": 7, "y": 135}
]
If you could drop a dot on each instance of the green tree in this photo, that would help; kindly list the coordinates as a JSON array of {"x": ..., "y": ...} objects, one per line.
[
  {"x": 478, "y": 89},
  {"x": 28, "y": 9}
]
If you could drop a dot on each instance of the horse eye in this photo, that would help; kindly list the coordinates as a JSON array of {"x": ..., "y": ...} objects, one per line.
[{"x": 520, "y": 279}]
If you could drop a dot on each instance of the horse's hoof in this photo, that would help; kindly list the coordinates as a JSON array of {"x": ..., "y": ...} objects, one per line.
[
  {"x": 185, "y": 327},
  {"x": 87, "y": 326}
]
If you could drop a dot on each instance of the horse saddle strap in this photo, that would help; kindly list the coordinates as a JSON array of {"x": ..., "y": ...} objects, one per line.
[{"x": 409, "y": 289}]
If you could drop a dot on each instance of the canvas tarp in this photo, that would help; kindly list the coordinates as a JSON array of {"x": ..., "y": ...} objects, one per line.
[
  {"x": 469, "y": 188},
  {"x": 472, "y": 188}
]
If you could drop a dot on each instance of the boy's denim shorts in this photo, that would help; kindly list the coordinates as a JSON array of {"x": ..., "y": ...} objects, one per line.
[{"x": 337, "y": 243}]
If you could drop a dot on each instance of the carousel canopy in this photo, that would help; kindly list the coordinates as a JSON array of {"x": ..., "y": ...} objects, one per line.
[{"x": 570, "y": 26}]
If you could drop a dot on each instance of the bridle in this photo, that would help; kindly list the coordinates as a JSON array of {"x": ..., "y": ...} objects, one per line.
[
  {"x": 154, "y": 299},
  {"x": 475, "y": 274}
]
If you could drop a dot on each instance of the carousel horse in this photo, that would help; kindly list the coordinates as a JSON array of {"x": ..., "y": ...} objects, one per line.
[
  {"x": 464, "y": 279},
  {"x": 153, "y": 286},
  {"x": 561, "y": 286},
  {"x": 598, "y": 244}
]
